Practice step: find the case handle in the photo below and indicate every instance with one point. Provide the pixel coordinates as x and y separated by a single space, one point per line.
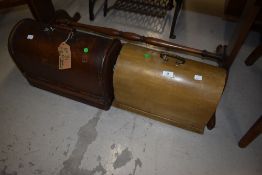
180 60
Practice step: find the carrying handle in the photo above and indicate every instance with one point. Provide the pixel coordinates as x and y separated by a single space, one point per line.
180 60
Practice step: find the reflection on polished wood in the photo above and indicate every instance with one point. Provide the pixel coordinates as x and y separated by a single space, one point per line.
139 86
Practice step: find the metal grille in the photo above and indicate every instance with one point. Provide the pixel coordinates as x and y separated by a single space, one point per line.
132 19
156 8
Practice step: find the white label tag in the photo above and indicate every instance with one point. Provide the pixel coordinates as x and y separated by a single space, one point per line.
198 77
30 37
168 74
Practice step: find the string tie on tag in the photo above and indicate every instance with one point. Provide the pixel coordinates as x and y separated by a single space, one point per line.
70 36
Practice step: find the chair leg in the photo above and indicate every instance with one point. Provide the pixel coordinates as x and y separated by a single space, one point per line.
248 17
251 134
76 17
91 10
212 122
62 14
8 3
177 10
253 57
42 10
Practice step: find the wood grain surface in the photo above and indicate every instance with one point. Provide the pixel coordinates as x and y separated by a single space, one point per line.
34 48
139 86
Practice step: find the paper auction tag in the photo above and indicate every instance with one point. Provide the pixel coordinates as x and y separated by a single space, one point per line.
64 56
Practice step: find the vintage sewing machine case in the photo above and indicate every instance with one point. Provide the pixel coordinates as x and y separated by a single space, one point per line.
179 91
34 48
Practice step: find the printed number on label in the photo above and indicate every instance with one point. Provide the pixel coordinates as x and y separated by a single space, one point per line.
168 74
30 37
198 77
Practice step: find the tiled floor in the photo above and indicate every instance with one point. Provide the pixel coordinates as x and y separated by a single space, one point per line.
43 133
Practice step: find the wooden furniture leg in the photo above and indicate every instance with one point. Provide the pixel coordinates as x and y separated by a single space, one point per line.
248 17
212 122
253 57
62 14
11 3
251 134
43 10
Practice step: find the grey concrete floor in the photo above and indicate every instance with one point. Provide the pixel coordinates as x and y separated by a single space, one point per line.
43 133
